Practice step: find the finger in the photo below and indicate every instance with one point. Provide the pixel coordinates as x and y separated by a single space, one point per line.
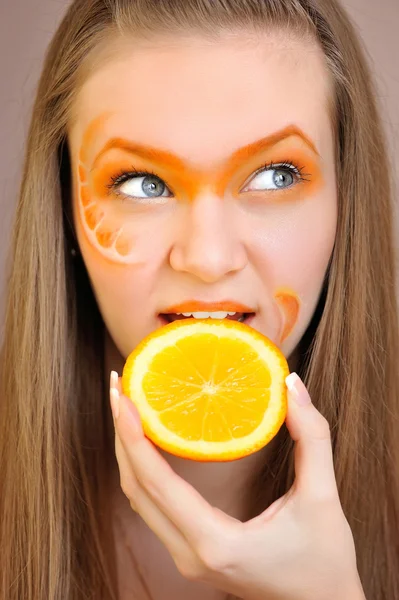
178 500
314 467
115 381
163 528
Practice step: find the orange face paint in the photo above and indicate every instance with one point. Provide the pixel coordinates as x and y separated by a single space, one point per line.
289 303
89 139
85 196
185 181
102 232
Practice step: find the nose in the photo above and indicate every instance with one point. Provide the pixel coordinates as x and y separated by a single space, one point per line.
207 242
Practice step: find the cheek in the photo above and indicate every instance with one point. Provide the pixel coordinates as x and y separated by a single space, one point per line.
108 226
296 246
123 291
302 255
293 259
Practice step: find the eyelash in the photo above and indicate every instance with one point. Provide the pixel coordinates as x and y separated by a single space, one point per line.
288 165
123 176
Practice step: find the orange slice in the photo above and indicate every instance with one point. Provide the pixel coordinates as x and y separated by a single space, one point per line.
208 390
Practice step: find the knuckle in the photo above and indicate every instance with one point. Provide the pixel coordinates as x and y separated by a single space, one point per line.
323 430
190 569
315 501
156 487
146 481
215 556
125 489
128 486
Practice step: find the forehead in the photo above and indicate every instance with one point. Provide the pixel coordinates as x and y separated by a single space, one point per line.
202 100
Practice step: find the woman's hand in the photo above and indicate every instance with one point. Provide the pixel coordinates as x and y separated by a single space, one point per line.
300 548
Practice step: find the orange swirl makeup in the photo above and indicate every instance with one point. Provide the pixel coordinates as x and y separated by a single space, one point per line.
102 230
107 216
289 304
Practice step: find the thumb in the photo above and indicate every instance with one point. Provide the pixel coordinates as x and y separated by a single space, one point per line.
314 467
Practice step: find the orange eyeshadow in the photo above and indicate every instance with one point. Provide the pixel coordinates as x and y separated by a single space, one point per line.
308 167
189 182
102 177
186 181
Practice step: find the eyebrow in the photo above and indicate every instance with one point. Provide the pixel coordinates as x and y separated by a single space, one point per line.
168 159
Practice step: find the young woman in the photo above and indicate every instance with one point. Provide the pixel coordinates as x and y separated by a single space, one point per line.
204 153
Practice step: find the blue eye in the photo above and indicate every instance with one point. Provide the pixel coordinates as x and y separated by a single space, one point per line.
149 186
275 177
145 185
140 185
272 179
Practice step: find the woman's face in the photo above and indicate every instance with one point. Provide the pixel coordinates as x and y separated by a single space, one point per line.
204 172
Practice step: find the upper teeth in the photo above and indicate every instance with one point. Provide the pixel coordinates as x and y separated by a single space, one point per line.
207 315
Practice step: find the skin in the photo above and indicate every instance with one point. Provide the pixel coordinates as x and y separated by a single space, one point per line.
198 115
113 233
300 548
209 231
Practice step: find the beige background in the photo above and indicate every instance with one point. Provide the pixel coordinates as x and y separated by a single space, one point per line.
26 27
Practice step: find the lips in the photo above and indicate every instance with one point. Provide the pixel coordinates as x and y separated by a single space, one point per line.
207 306
238 316
234 311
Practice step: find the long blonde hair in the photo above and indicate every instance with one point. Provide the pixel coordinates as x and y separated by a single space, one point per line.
55 537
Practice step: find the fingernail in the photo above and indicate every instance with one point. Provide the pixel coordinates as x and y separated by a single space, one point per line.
113 380
291 381
114 396
298 392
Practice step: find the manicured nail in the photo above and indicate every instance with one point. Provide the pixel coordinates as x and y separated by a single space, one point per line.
114 378
298 392
291 381
114 396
